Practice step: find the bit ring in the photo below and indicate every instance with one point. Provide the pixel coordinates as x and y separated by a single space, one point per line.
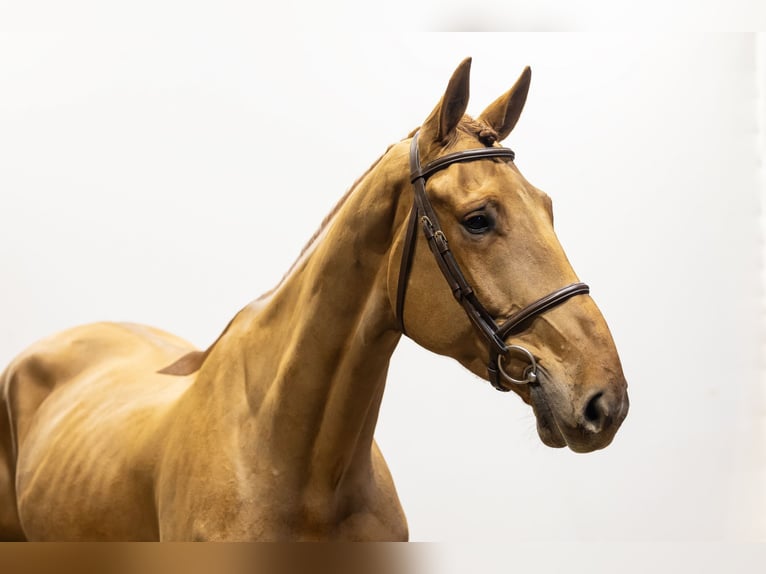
530 373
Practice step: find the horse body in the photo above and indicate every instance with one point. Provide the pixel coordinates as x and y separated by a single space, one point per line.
268 435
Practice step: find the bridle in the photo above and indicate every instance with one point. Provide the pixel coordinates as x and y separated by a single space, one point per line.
494 334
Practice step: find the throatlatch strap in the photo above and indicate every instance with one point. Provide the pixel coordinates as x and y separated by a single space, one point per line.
406 264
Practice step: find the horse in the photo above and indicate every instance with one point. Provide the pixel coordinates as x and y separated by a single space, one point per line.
120 431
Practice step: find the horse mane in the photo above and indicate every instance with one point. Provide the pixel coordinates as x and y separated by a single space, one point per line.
322 226
193 361
473 127
479 129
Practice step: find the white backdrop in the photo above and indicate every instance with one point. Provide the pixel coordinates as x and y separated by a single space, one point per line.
167 166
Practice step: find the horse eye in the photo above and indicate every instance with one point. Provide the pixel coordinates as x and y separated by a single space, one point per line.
478 224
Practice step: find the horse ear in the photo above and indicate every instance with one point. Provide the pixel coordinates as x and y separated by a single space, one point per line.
441 124
504 112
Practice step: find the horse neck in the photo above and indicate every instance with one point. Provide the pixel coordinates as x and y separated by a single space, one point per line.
313 357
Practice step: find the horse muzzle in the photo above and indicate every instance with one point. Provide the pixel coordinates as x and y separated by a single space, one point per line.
585 424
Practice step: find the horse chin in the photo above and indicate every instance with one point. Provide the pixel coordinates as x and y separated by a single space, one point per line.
547 428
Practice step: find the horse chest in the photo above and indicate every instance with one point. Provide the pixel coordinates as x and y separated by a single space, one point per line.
231 496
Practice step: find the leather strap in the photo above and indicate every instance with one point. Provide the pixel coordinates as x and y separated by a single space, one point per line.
516 322
418 172
404 267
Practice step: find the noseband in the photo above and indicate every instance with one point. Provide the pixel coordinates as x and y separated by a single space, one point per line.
494 334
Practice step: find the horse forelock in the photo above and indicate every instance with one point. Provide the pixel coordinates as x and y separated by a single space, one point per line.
476 128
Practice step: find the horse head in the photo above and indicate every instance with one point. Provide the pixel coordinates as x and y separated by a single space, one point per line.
495 253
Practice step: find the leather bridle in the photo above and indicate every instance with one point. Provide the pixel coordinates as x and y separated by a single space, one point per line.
494 334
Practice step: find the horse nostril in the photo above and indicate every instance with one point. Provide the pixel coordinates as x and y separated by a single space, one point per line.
596 412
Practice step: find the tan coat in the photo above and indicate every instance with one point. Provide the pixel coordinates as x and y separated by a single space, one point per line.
268 435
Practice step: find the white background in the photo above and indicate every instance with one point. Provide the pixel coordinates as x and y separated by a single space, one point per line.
165 164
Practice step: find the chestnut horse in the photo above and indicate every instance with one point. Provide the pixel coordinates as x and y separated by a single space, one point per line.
124 432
